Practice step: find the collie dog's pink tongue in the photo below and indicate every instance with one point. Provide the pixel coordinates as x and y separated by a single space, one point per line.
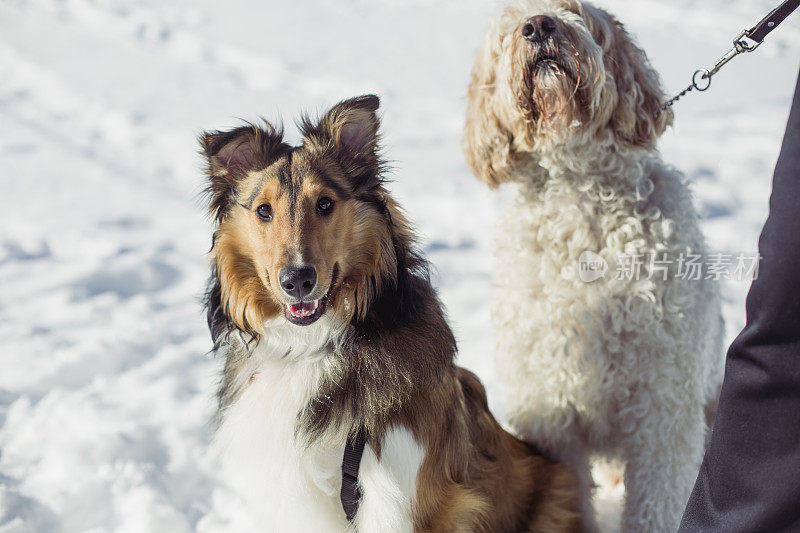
303 309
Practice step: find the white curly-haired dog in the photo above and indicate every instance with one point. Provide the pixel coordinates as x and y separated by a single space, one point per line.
563 105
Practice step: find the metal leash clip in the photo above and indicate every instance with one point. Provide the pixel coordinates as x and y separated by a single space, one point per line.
740 46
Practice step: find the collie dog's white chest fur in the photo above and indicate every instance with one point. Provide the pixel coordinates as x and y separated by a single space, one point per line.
292 486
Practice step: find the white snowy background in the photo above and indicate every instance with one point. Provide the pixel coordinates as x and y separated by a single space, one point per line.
105 381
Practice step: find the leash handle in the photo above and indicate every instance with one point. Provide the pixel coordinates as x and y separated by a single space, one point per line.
772 20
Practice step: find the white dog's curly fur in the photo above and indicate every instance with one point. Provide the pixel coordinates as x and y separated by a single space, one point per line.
617 367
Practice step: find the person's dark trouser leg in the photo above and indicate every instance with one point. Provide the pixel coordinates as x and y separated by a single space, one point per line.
750 476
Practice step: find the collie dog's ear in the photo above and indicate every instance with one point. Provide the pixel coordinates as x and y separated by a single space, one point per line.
351 129
230 155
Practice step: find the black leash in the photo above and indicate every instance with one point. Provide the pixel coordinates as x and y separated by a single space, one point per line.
772 20
351 494
747 41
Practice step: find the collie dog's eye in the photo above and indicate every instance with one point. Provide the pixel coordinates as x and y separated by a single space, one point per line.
264 212
324 206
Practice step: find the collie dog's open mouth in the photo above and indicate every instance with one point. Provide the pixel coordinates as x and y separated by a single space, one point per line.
305 313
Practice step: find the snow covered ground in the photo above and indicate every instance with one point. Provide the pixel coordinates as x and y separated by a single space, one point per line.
105 382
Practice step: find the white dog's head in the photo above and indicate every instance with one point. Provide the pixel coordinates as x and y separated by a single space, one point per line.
558 73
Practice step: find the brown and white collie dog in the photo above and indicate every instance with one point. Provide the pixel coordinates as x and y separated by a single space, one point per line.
330 327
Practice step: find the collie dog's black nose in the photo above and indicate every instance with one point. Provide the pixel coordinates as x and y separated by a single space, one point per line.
538 28
298 281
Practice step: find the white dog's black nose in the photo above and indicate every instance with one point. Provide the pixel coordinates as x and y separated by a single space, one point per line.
538 28
298 281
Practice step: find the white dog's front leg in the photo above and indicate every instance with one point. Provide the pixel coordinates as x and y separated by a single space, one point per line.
661 467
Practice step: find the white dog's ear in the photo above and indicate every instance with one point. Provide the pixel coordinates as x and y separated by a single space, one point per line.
487 144
635 120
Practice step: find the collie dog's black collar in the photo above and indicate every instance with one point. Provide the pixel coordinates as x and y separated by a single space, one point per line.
351 461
